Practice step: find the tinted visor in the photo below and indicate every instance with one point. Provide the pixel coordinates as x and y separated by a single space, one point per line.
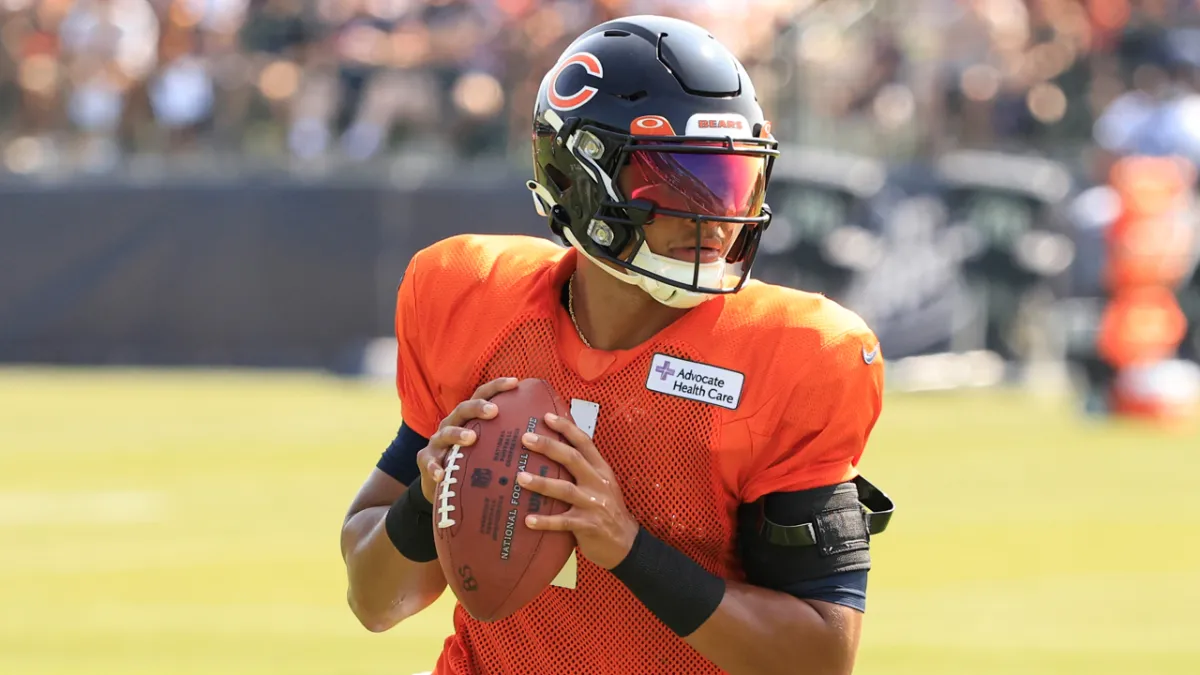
707 184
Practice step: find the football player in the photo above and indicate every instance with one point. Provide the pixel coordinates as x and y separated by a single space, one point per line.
718 422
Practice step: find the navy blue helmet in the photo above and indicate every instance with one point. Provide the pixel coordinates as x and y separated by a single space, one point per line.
644 117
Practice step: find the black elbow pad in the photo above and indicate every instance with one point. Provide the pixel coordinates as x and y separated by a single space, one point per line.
791 537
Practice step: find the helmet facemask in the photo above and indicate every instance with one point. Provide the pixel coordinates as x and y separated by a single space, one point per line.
618 183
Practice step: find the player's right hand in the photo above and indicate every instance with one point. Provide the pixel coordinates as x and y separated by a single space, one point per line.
451 432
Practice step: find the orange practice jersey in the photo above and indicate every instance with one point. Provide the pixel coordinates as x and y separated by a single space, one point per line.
766 390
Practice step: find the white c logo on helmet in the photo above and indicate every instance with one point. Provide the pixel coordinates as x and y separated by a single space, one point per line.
585 94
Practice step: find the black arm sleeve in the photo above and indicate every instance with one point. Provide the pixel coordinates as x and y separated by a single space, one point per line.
848 589
400 459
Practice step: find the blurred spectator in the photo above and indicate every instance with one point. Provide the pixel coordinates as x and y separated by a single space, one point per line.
86 83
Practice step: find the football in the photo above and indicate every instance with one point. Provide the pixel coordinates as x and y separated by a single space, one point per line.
493 562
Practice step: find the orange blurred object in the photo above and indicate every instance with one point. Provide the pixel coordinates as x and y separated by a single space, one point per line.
1149 245
1141 326
1152 186
1151 250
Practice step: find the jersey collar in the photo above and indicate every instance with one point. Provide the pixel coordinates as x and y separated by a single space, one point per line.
594 364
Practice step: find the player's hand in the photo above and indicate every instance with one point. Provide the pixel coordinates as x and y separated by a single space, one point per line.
602 525
451 432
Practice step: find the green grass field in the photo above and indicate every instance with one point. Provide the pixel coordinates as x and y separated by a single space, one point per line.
182 522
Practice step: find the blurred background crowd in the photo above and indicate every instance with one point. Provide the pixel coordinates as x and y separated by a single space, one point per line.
84 83
948 170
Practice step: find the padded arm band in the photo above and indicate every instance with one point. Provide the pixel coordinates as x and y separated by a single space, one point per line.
788 538
409 524
789 532
675 588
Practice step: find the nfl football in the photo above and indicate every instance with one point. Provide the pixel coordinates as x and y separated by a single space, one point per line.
493 562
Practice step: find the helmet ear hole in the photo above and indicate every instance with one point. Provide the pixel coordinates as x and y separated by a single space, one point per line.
560 179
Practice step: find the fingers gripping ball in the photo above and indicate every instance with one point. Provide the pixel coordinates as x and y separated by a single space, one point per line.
493 562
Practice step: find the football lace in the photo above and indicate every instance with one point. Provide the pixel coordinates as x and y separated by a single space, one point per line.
447 491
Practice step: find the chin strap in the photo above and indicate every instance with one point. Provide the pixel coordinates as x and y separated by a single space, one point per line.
663 293
627 277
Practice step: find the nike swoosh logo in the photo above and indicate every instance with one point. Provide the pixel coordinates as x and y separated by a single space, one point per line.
870 356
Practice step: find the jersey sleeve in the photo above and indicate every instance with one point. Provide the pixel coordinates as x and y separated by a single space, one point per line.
826 421
418 404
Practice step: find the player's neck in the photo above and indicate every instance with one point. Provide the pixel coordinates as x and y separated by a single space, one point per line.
612 314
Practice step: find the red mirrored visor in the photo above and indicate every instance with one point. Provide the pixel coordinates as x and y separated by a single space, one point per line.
706 184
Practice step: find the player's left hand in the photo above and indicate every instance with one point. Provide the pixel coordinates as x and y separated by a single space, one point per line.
602 525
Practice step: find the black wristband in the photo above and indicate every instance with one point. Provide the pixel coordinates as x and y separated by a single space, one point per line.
675 588
409 524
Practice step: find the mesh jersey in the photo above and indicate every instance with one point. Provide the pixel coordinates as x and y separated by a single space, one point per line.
475 308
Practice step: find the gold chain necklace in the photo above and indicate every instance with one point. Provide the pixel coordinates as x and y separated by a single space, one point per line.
571 310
